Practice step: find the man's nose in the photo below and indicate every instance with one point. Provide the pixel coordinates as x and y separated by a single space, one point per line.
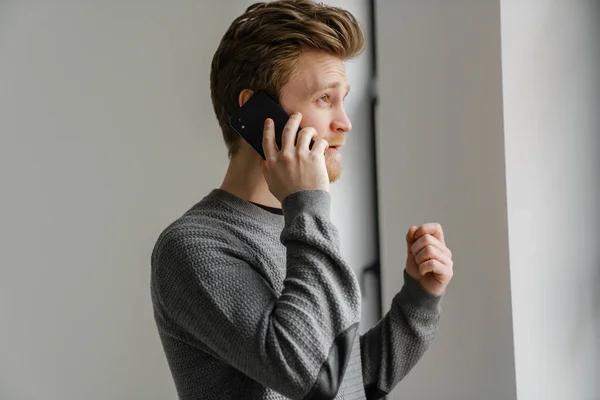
342 123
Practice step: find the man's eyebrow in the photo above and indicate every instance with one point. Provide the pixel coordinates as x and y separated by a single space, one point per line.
331 85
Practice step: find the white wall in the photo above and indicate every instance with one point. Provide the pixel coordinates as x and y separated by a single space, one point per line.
489 123
551 70
107 134
441 158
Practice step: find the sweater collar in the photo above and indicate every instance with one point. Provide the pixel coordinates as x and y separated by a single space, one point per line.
251 210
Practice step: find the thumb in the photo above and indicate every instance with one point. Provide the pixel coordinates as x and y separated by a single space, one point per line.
410 237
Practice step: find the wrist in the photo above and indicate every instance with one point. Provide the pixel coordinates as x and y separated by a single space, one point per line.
415 296
314 201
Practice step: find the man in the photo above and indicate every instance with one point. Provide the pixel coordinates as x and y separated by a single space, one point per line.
251 296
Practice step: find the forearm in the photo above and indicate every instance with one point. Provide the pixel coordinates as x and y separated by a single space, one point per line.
321 299
393 347
316 271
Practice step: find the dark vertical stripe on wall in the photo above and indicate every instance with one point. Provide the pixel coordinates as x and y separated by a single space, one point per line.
376 267
374 98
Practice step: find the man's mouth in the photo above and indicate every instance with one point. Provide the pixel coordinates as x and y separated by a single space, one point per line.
335 143
333 149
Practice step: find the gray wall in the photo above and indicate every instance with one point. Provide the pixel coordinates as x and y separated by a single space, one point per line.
441 158
551 70
489 123
107 134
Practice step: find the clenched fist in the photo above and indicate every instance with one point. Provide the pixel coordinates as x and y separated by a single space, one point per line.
428 260
295 166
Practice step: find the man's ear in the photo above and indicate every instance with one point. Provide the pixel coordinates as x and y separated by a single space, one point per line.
244 96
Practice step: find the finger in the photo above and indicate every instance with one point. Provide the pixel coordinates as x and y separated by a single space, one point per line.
290 130
304 138
434 229
410 236
320 146
268 142
429 240
432 253
433 266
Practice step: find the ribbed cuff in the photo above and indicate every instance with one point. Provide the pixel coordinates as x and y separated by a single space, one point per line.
413 295
315 202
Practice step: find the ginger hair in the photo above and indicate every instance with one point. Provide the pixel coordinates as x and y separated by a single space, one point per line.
260 49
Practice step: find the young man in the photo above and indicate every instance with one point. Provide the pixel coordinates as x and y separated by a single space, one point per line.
251 296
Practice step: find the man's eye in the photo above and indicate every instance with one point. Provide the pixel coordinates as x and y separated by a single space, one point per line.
324 98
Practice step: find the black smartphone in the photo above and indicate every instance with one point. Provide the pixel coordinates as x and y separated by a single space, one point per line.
249 120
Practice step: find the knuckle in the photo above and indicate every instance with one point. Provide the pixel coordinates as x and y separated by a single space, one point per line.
318 148
315 156
287 156
302 152
305 135
427 265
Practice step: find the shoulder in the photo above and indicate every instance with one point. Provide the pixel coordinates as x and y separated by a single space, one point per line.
192 252
204 221
193 235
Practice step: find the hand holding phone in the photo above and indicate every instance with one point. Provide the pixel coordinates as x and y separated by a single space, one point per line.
248 121
294 166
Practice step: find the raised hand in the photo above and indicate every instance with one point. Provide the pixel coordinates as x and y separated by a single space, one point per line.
428 260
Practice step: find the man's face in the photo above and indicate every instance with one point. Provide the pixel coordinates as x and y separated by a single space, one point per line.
317 90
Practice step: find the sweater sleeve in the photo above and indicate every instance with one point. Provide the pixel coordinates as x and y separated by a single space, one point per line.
393 347
298 343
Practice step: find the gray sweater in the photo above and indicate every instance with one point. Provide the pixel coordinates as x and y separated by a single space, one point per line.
254 305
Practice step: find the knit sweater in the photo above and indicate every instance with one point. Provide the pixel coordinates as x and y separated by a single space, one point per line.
254 305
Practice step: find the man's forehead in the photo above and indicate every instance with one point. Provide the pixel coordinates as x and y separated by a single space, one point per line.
316 72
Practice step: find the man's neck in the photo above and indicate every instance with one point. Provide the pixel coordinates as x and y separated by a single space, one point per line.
245 179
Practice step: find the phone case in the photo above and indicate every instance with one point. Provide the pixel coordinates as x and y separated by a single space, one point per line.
249 120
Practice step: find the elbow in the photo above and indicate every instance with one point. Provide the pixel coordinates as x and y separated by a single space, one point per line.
331 374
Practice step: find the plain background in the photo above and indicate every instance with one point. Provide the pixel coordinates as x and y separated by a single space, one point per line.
487 122
107 135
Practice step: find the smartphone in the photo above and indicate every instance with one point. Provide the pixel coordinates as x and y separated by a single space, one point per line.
249 120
